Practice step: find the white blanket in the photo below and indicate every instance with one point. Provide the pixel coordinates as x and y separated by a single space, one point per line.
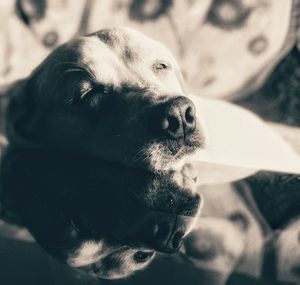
238 144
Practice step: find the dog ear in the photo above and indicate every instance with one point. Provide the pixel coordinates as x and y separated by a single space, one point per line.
22 114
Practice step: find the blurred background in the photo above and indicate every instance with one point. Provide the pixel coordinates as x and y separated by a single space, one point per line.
221 45
227 49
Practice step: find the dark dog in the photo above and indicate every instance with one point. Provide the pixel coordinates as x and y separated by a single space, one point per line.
97 216
115 94
118 96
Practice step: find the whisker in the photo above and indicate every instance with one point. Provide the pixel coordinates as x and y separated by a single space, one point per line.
122 135
132 119
138 157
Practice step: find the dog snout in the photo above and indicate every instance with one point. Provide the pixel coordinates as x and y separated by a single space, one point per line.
190 206
165 238
185 204
176 118
165 232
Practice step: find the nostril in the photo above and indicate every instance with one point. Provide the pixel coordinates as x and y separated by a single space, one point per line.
173 119
173 124
190 115
161 231
176 241
197 199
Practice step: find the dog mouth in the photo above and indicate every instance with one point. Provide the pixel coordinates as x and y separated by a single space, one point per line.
185 147
161 155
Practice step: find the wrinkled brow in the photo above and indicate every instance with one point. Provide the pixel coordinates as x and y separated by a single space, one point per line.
74 67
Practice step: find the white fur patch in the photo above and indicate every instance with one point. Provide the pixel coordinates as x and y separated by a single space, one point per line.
87 253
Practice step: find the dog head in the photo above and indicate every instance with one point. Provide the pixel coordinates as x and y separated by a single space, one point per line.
101 217
115 94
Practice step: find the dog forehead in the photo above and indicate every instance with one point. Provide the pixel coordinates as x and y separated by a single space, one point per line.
119 57
131 44
145 45
122 55
102 61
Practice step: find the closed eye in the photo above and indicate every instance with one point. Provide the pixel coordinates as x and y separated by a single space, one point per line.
78 68
142 256
93 95
161 65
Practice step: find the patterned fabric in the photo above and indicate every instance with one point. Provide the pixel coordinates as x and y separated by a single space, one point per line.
253 35
227 48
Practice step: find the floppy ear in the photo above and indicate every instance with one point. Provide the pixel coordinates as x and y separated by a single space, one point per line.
22 114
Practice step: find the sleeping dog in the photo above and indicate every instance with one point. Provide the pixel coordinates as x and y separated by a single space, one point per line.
114 94
104 218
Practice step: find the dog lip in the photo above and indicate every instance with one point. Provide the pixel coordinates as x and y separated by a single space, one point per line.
170 152
187 145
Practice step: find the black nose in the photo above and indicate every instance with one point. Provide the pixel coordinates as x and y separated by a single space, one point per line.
176 118
165 232
181 203
165 238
